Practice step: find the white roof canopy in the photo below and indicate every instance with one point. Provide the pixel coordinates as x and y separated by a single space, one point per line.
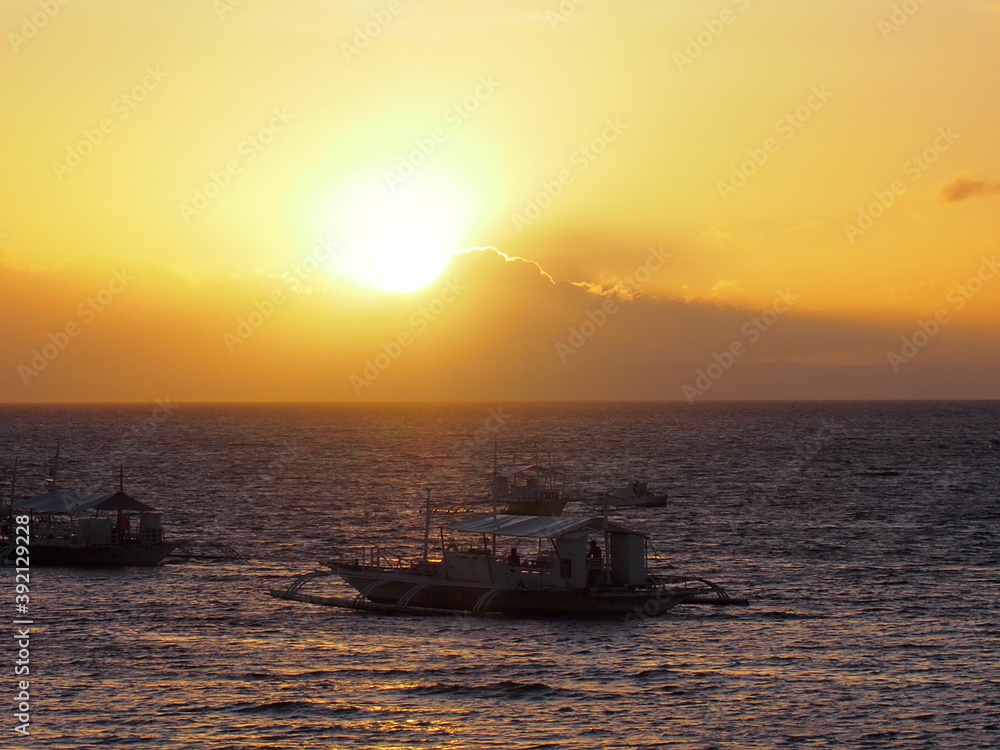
538 527
58 501
67 501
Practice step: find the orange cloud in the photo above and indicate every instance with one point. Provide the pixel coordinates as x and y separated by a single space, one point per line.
492 328
966 185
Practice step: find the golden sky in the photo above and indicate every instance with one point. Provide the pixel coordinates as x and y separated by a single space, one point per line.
663 199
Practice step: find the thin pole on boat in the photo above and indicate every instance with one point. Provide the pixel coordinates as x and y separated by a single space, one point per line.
121 488
493 482
493 494
427 528
55 465
13 483
606 560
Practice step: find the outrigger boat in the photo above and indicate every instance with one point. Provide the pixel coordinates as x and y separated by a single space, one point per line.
636 495
76 529
528 490
568 575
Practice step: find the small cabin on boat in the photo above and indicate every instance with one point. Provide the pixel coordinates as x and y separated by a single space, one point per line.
564 557
92 530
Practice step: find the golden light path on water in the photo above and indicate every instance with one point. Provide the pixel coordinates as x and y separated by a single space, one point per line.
868 549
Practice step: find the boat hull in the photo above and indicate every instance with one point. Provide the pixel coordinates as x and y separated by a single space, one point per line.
536 506
432 593
633 501
78 556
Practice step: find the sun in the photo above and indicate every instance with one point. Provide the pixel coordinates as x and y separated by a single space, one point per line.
409 250
395 239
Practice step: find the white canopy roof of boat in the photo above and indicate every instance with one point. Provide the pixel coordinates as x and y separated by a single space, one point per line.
538 527
57 501
67 501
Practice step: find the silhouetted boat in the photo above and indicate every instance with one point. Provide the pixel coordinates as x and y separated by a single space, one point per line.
570 573
635 495
528 490
75 529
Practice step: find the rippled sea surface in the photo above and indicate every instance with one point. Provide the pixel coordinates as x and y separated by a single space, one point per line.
866 536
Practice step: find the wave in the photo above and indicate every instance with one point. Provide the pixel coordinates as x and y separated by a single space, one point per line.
278 708
499 689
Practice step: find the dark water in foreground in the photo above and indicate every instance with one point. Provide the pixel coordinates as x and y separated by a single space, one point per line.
865 534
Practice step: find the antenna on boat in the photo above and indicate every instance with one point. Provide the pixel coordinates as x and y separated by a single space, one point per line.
493 479
607 541
13 483
51 481
427 527
121 477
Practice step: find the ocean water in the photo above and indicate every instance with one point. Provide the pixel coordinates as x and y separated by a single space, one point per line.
865 534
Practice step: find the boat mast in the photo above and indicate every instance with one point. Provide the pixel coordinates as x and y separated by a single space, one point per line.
493 494
427 527
606 559
121 488
51 481
13 483
493 482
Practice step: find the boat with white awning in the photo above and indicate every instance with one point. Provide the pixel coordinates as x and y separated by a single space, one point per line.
514 565
79 529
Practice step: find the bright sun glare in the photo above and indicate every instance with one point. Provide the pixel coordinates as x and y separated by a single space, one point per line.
396 240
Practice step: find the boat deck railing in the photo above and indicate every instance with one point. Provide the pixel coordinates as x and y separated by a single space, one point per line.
375 557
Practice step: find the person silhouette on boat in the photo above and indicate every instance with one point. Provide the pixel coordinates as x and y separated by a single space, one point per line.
124 525
594 556
514 559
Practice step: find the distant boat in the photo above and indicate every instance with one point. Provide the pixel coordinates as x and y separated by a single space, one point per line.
581 567
528 490
635 495
75 529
